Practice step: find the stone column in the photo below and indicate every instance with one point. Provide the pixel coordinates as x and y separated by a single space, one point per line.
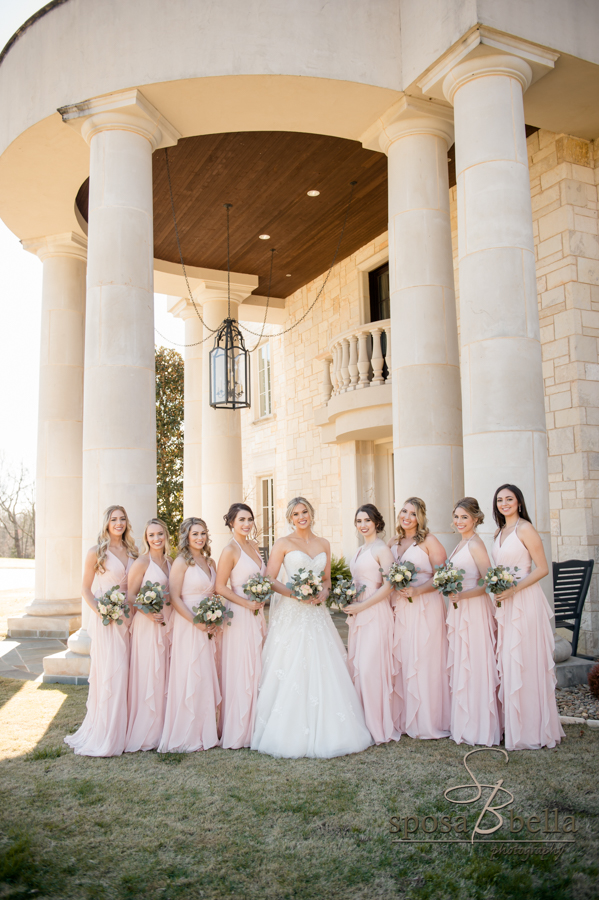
192 446
222 475
502 386
56 610
427 426
119 413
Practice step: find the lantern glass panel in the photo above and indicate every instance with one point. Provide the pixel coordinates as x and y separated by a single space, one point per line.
219 375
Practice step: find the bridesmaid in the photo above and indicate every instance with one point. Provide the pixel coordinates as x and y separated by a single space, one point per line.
421 682
241 647
193 695
524 634
148 672
473 678
104 729
370 638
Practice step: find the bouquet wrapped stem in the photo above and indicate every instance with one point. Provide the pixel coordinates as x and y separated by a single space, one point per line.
212 611
259 588
151 598
112 606
499 579
449 580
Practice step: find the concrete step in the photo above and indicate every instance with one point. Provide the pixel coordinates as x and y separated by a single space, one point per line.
573 671
66 668
26 627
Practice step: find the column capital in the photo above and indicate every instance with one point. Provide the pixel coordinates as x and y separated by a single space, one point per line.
68 244
181 307
482 66
122 111
409 116
217 288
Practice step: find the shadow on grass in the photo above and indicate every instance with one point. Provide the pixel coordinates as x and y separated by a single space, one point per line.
8 688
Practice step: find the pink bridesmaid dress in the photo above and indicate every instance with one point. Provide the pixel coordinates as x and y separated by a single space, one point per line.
193 695
473 677
525 657
370 650
148 672
241 660
421 704
104 729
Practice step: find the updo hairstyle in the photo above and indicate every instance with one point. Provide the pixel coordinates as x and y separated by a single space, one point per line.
295 502
374 516
470 505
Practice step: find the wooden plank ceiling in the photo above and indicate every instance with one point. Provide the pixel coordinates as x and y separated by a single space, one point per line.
266 176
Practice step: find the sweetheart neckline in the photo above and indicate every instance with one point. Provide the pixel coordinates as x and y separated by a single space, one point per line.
303 552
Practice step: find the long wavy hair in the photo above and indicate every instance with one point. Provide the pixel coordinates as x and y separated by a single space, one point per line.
295 502
104 539
422 529
183 547
145 547
522 511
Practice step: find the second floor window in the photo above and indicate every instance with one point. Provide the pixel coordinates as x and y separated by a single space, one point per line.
380 301
264 380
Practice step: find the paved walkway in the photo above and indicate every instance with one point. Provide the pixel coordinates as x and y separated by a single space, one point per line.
23 659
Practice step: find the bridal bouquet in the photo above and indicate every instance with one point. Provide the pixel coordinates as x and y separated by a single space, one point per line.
498 580
212 611
260 589
343 593
112 606
448 580
151 598
305 585
400 575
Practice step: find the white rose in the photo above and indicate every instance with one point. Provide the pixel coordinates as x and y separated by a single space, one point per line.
494 579
509 578
218 614
114 597
305 590
151 594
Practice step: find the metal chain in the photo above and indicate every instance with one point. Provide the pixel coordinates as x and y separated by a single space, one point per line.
259 341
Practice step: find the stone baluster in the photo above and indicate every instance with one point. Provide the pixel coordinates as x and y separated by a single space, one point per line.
377 357
353 362
363 360
327 385
334 370
344 365
388 355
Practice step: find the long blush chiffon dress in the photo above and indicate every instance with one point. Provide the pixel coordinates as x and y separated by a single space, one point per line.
148 672
473 677
421 683
370 650
104 729
241 660
525 657
193 695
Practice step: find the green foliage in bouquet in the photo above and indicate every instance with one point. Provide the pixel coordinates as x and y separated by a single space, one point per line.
340 570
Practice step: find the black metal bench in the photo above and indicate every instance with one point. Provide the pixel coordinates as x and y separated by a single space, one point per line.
571 580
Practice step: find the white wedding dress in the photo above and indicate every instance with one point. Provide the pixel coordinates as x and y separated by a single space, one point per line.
307 704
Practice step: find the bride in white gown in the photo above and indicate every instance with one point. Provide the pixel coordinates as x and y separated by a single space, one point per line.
307 704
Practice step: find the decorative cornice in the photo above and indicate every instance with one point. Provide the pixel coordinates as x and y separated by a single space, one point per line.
122 111
409 115
68 244
480 66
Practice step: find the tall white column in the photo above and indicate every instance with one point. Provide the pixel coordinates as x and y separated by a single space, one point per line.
119 412
502 386
427 416
192 442
56 609
222 473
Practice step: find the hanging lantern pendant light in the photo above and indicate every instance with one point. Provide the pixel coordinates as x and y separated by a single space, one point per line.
229 362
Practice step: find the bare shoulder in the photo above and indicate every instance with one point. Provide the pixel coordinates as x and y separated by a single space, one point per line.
92 553
179 565
392 542
432 544
526 528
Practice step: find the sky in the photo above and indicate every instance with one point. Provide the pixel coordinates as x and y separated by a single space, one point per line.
20 313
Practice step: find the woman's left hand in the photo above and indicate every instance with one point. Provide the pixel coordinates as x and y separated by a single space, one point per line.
505 595
316 601
158 617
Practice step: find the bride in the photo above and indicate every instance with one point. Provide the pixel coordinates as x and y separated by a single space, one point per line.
307 704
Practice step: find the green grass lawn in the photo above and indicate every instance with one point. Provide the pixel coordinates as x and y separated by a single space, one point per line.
237 824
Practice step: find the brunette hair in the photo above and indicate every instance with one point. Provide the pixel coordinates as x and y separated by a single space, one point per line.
470 505
295 502
373 514
422 529
235 508
522 511
104 539
183 548
145 547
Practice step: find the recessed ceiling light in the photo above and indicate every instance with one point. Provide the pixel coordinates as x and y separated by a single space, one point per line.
287 276
264 237
313 193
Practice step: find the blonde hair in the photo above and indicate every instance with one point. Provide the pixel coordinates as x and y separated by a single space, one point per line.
183 548
470 505
145 547
104 539
295 502
421 521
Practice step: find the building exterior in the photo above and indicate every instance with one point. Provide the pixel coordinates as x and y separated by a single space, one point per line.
470 361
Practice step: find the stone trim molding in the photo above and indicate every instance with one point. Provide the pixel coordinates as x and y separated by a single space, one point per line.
68 244
481 66
410 115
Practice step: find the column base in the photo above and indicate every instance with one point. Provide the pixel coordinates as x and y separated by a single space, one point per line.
25 626
66 667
